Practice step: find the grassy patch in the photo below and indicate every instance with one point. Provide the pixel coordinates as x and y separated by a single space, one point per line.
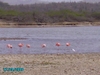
47 63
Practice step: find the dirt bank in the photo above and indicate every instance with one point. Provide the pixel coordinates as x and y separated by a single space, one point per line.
4 24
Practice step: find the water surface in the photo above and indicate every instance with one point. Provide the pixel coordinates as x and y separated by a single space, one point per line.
82 39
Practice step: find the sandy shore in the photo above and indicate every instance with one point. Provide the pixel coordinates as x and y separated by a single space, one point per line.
7 24
52 64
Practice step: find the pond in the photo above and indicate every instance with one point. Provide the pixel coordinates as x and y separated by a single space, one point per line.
82 40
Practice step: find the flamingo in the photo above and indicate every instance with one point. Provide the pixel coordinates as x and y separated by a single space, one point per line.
9 46
28 46
57 44
67 44
43 45
20 45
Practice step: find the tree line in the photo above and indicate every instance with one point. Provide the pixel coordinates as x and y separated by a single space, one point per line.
51 12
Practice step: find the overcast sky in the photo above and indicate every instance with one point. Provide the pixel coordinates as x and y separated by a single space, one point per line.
59 0
12 2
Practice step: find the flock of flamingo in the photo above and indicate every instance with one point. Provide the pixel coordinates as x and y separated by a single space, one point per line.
43 45
20 45
28 45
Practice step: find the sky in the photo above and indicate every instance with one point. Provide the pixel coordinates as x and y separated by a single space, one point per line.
13 2
60 0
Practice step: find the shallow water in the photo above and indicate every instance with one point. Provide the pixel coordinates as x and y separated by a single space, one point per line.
82 39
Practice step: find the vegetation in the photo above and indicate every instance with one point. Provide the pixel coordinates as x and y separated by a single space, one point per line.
50 13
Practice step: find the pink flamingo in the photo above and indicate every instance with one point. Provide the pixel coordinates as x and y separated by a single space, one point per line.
9 46
28 46
57 44
67 44
43 45
20 45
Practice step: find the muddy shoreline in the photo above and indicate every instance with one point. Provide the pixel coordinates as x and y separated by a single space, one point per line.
32 25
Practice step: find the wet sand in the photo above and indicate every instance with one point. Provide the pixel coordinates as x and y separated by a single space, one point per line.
52 64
